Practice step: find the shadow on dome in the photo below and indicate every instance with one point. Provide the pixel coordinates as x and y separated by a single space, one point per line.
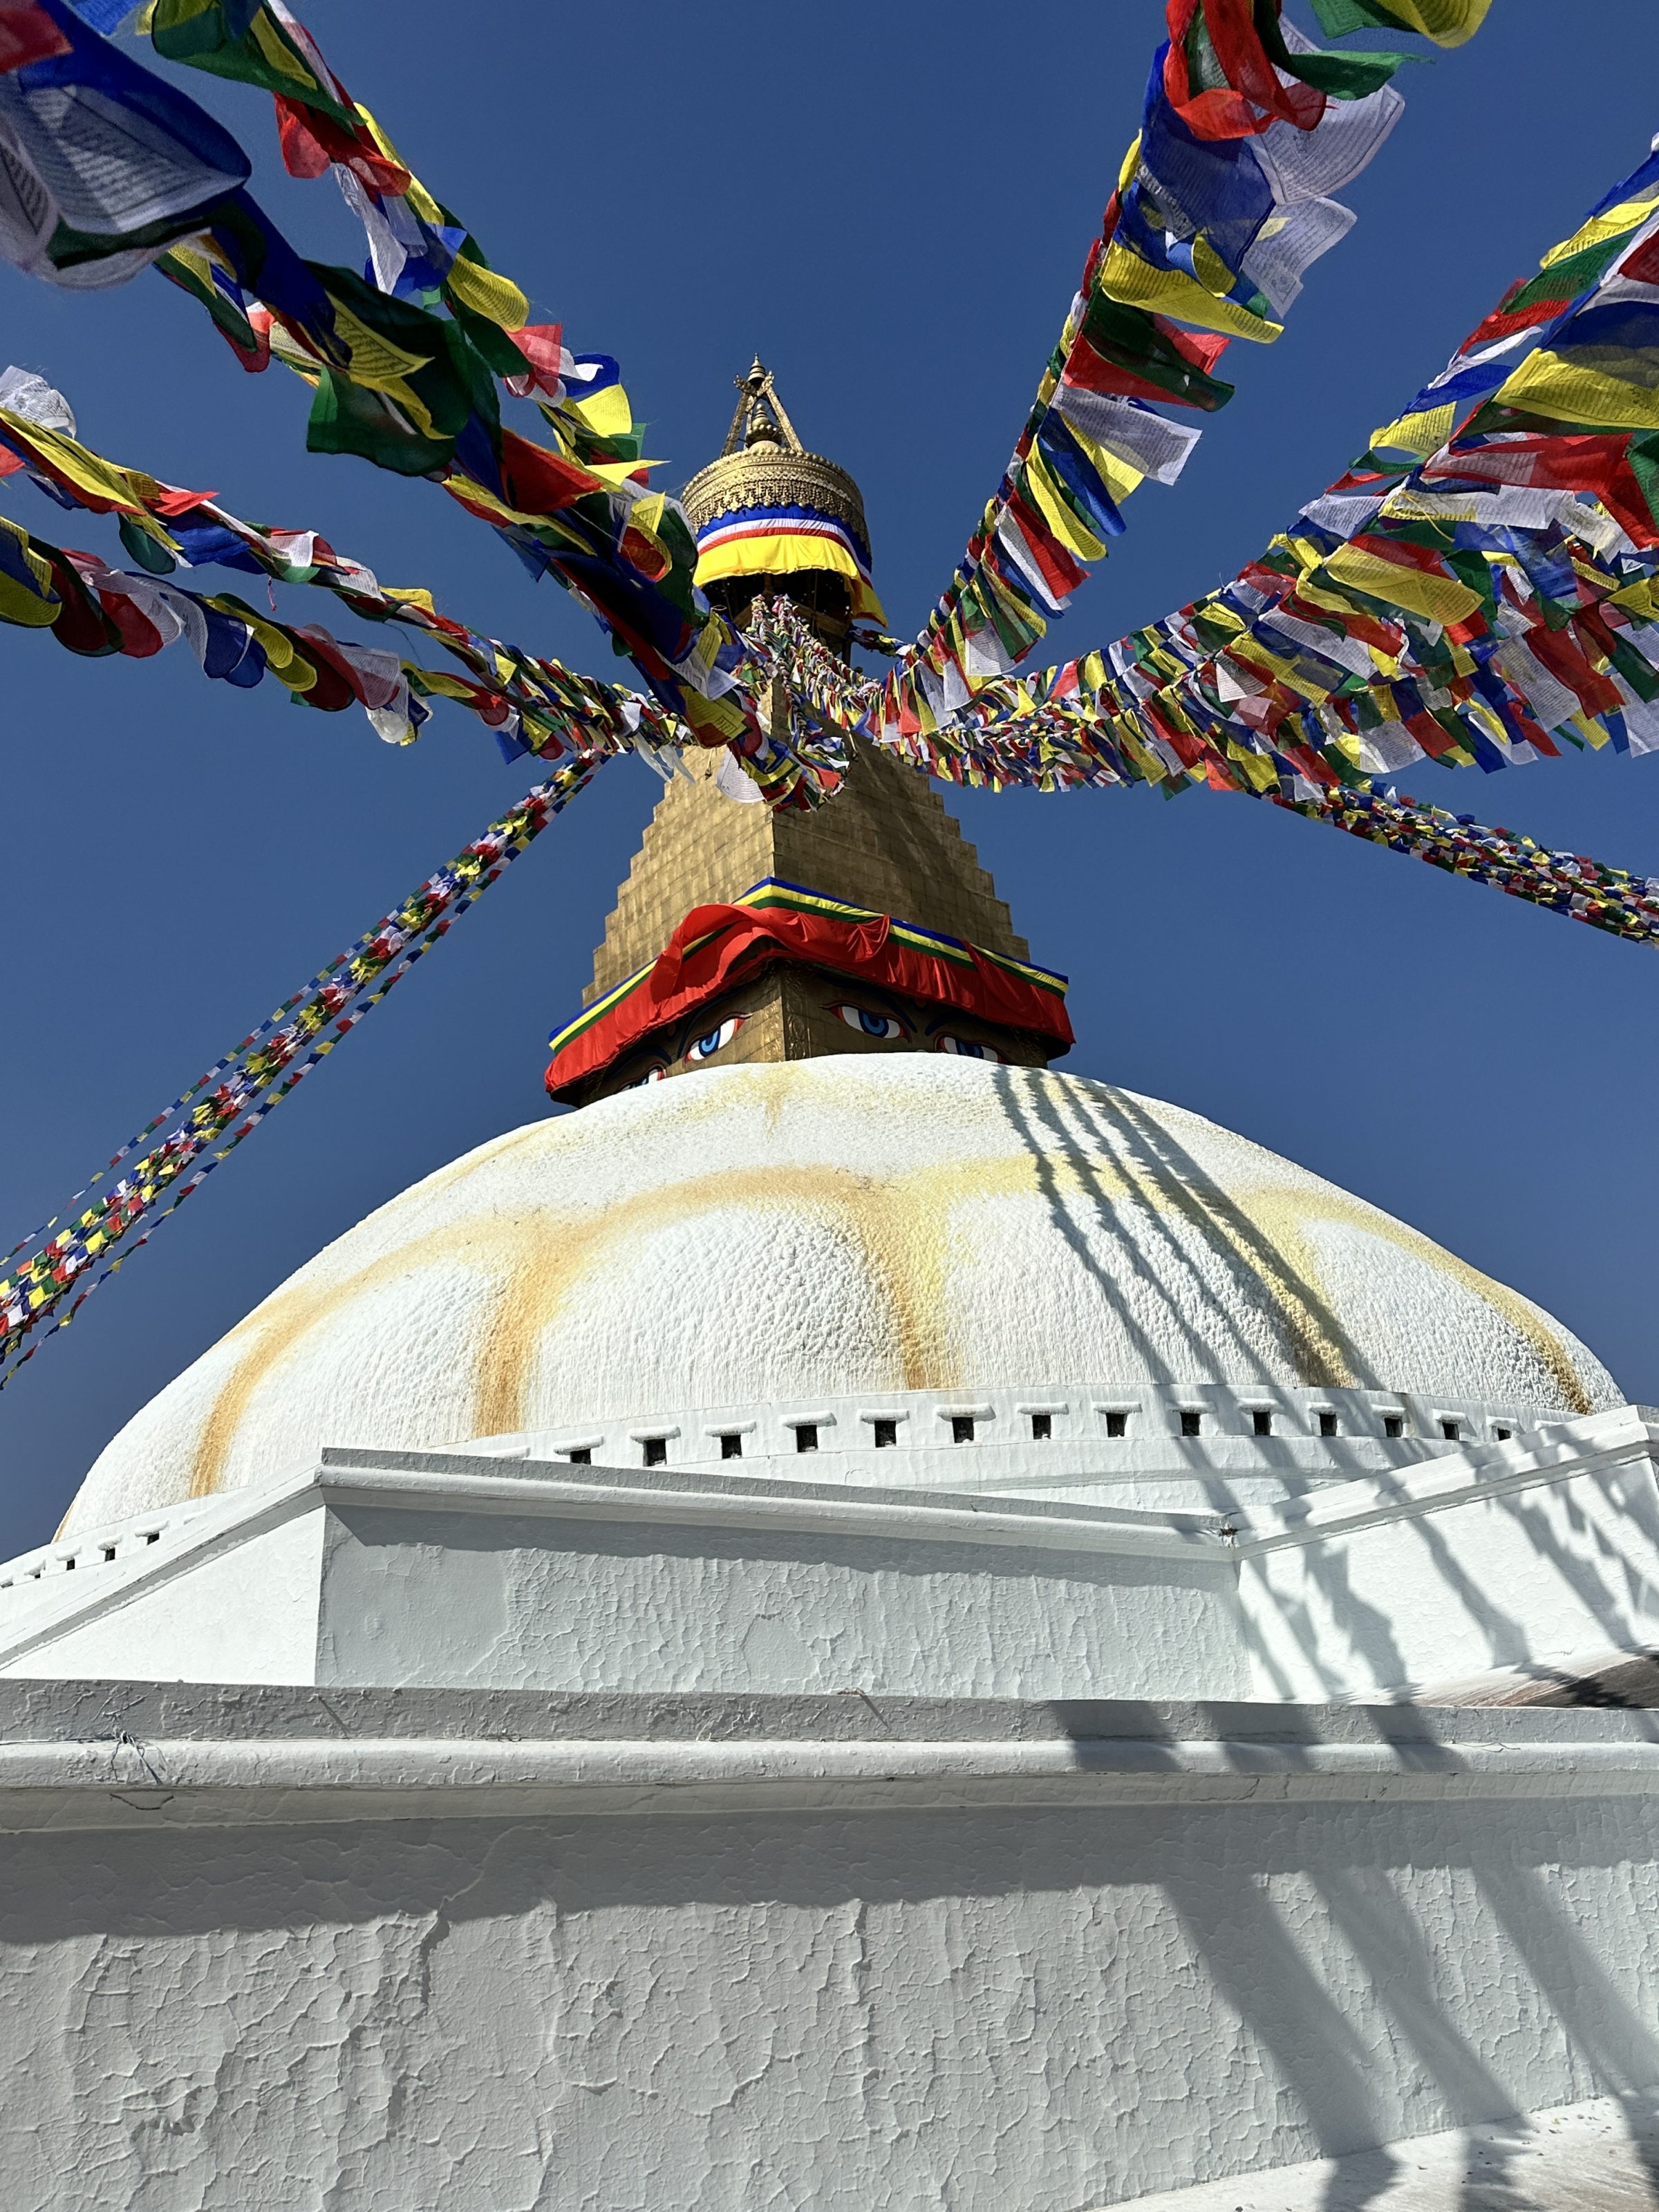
1324 1350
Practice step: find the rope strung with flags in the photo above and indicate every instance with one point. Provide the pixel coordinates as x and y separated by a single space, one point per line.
408 363
1223 203
1564 882
530 702
1478 587
61 1265
1585 890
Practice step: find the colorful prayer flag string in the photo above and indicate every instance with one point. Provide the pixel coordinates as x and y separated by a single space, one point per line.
1223 203
1567 883
530 702
583 511
1570 884
63 1267
1483 605
403 368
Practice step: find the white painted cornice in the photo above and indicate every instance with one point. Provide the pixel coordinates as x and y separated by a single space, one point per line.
238 1759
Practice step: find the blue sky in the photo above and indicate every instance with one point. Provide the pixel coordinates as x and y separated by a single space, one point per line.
891 204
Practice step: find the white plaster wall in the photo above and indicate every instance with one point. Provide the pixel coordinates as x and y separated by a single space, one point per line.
445 1599
979 2010
773 1233
244 1613
1535 1574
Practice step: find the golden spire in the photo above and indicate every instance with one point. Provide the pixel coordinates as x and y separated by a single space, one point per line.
764 470
760 418
885 843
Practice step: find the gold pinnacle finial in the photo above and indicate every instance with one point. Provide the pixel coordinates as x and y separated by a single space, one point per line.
760 417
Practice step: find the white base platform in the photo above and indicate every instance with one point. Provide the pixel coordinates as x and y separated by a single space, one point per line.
489 1567
267 1950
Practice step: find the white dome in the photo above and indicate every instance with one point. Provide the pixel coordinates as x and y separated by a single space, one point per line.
854 1223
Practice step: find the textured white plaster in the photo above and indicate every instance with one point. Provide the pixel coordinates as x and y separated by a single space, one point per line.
437 1315
158 1445
750 1296
1044 2009
795 1232
480 1570
1151 1466
466 1567
179 1781
1406 1336
358 1950
431 1598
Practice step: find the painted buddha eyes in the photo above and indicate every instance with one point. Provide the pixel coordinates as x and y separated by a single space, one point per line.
705 1048
651 1075
869 1023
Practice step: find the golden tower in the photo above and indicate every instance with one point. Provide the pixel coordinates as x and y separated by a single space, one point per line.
772 518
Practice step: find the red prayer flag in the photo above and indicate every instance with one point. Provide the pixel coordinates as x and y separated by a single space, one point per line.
27 34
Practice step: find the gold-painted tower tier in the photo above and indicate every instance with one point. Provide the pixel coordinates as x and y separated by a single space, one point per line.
883 842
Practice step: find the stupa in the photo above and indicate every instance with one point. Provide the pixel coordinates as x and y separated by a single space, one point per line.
859 1619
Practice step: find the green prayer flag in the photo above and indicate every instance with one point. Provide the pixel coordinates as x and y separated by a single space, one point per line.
349 418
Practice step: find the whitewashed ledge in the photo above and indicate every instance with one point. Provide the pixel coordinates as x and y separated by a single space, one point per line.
1601 2156
91 1755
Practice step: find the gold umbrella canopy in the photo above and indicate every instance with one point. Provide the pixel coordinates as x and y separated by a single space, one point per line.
772 519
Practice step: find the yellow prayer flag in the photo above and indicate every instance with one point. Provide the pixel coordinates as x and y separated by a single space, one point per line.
607 412
1611 224
1639 597
372 359
1561 387
1257 770
1587 728
1071 533
1119 479
277 54
278 646
475 495
497 298
616 472
441 682
1441 598
1124 276
1213 611
30 610
1421 433
1448 22
88 471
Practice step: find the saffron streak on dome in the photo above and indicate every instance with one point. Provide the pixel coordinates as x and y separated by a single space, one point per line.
780 1236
